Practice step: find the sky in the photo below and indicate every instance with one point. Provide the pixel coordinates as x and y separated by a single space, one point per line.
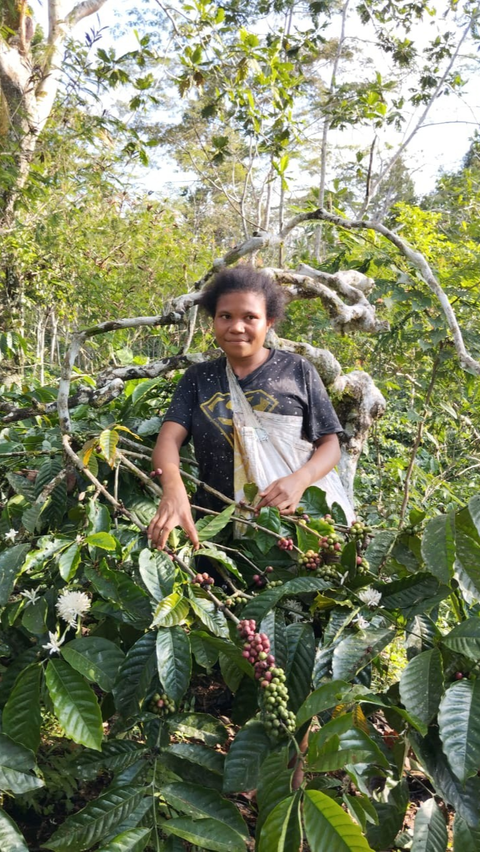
438 146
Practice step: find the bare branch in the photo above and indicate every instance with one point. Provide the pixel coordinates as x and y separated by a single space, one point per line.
358 314
417 259
388 167
155 368
98 485
83 10
169 16
96 397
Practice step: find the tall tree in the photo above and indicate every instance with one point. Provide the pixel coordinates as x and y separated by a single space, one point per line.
29 79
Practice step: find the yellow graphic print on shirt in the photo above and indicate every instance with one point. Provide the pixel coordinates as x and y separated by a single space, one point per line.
218 409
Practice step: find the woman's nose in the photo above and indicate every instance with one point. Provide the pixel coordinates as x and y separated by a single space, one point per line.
238 326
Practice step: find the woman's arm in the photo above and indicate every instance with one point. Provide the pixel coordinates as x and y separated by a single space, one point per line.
285 493
174 509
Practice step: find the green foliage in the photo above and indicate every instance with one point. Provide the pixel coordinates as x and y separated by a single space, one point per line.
21 717
10 837
75 704
116 726
145 679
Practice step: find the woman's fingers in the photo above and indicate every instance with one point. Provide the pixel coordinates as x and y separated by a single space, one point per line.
275 495
192 532
158 526
284 494
165 521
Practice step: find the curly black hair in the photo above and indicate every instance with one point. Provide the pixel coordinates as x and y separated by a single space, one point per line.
246 279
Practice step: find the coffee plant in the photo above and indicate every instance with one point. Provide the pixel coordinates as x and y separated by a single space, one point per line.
150 704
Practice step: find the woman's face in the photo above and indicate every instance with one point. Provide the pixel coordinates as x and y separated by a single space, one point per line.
240 324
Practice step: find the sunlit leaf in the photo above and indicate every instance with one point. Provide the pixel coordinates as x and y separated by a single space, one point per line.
353 653
98 659
11 561
75 705
174 661
108 440
329 828
11 838
282 829
97 820
459 726
171 610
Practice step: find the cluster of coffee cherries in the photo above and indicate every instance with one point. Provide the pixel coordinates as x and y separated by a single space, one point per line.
161 704
203 580
310 560
363 565
279 720
261 580
330 544
314 562
328 572
285 543
358 530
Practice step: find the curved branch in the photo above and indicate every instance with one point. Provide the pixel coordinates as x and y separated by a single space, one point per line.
417 259
351 313
95 397
155 368
83 10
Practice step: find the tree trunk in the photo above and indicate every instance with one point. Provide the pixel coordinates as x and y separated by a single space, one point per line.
28 92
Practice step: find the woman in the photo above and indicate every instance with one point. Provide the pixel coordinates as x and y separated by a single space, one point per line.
243 304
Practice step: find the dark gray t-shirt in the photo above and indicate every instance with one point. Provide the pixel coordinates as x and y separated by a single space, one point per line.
284 384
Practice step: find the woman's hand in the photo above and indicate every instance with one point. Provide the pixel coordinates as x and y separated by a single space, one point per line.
285 493
174 511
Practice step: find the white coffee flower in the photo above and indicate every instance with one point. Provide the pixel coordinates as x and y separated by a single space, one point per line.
370 597
11 535
53 647
361 622
31 596
296 610
72 605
